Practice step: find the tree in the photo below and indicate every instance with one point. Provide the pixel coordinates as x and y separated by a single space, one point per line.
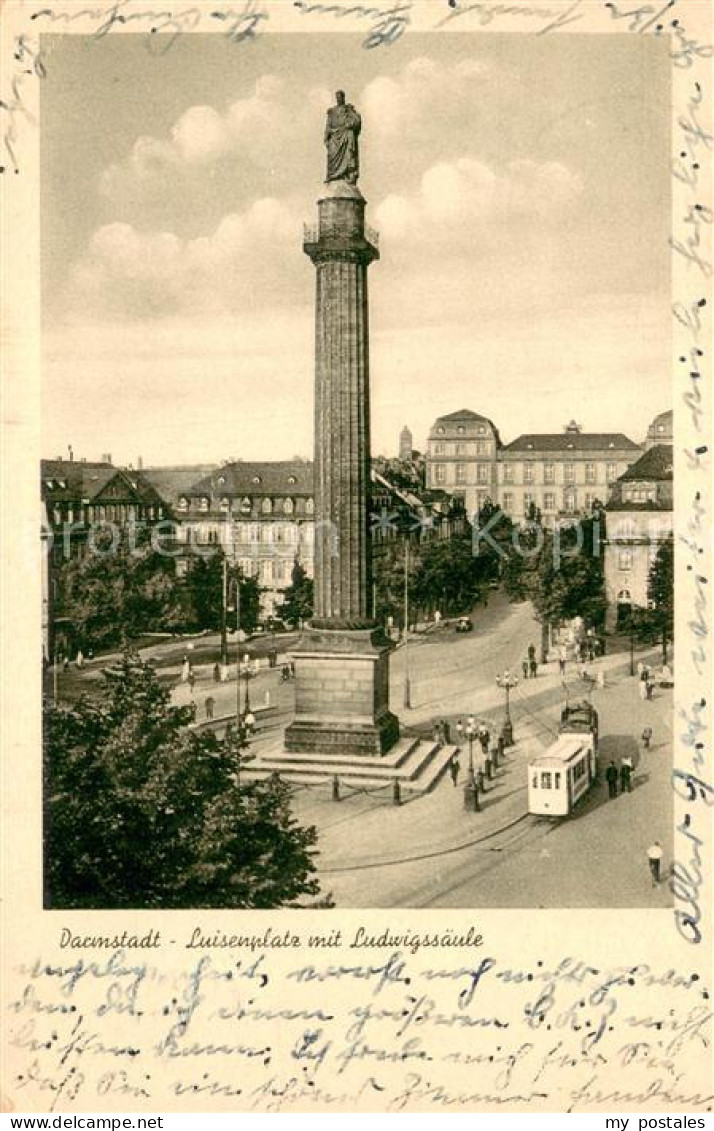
660 592
204 585
111 595
298 598
144 812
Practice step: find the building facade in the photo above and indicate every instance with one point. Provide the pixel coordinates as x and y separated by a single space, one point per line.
562 474
462 458
640 515
261 514
661 430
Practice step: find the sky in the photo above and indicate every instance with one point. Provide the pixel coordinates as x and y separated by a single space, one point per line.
520 186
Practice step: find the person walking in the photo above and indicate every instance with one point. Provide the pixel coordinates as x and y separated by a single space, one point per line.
611 776
525 665
626 776
647 737
649 686
454 768
654 859
643 690
562 658
249 722
533 666
446 731
216 673
436 733
484 737
192 680
210 704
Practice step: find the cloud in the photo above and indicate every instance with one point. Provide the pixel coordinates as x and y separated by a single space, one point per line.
126 272
262 130
460 200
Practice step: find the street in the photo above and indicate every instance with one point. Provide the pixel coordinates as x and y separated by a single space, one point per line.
430 852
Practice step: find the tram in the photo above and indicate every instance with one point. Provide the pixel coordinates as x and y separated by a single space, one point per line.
580 718
559 778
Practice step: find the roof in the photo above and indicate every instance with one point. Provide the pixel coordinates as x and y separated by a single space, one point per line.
465 415
565 747
654 465
172 482
572 441
283 477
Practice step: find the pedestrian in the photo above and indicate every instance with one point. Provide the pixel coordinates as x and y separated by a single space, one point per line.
643 690
216 672
533 665
484 738
436 733
531 653
454 768
80 658
562 658
640 670
210 703
185 670
249 722
611 777
601 679
626 776
524 665
192 679
649 687
446 730
292 669
654 859
646 737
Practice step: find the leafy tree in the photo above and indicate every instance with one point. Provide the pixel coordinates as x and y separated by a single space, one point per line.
114 594
660 592
144 812
298 598
204 585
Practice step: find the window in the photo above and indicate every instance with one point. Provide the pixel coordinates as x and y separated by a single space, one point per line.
460 472
439 449
267 506
205 503
508 502
545 780
527 472
461 449
310 506
624 559
440 430
292 479
483 473
557 781
439 473
245 506
535 781
549 473
266 570
221 480
570 499
528 501
549 501
569 472
611 472
483 448
288 506
508 473
183 504
460 429
590 473
225 504
255 479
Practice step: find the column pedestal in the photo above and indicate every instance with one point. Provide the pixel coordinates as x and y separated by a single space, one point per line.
342 694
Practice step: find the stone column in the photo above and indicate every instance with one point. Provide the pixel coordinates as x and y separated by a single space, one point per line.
342 677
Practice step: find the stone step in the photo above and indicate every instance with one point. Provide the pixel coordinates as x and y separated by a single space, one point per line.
403 749
418 774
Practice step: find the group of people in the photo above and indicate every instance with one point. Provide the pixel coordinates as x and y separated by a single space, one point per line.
623 776
530 663
646 681
480 733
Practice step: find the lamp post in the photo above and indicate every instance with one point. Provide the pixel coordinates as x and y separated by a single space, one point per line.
246 701
507 682
470 789
224 614
407 680
238 712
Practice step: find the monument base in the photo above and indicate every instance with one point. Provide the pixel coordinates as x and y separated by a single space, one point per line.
342 694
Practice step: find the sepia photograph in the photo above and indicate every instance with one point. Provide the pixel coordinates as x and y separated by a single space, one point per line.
357 597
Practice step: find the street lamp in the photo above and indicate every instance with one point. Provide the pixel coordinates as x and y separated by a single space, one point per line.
507 682
238 714
407 680
246 702
470 789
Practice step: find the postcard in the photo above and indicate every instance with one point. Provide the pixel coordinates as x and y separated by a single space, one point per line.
357 557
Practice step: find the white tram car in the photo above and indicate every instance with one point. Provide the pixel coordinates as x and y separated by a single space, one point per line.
560 777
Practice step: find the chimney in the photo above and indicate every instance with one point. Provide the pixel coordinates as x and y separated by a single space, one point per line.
107 457
71 452
139 462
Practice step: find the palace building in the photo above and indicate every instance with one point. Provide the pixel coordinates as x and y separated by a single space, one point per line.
461 458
